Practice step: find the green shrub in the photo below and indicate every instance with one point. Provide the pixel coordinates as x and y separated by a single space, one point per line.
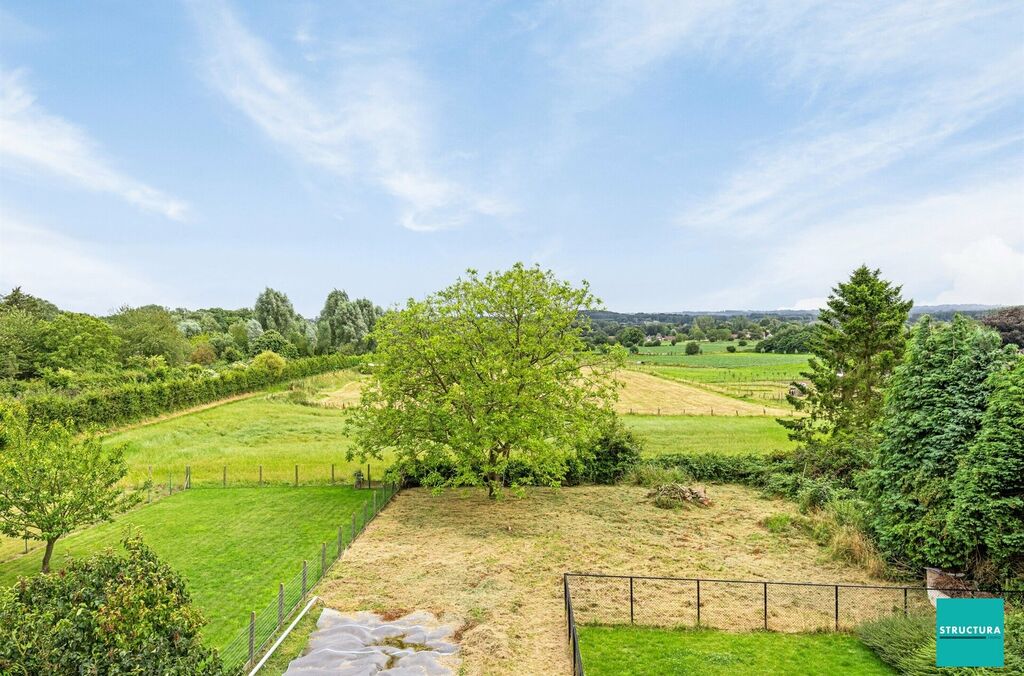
730 348
692 348
650 474
132 401
612 456
104 614
908 645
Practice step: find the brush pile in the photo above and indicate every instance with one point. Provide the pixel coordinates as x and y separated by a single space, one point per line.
674 496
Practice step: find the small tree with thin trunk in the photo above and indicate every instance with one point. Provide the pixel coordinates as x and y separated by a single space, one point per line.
490 371
52 482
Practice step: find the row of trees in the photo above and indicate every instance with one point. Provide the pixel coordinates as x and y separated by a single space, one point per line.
926 425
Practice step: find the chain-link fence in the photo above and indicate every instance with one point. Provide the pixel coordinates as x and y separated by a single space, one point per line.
742 605
246 648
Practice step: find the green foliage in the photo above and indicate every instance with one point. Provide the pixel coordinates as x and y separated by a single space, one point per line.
150 331
857 342
987 517
908 645
36 307
20 332
489 370
789 339
203 354
344 322
270 363
631 336
78 342
730 348
272 341
611 456
933 412
132 401
274 312
54 482
106 614
692 347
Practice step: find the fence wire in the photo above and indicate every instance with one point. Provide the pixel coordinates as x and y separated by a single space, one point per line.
741 605
245 649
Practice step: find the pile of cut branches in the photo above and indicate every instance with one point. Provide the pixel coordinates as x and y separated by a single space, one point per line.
674 496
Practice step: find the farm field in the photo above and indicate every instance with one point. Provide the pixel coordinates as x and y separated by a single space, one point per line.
644 393
497 568
274 430
728 435
638 651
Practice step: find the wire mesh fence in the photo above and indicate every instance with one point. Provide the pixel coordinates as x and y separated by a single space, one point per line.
742 605
245 649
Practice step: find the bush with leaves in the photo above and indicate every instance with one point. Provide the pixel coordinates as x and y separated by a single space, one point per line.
692 348
268 362
106 614
272 341
607 461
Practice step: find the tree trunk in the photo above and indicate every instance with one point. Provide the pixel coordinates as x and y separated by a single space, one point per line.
48 554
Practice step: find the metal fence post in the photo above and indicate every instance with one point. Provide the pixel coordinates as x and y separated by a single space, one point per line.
765 606
837 607
353 528
631 599
252 636
698 603
904 602
369 479
280 604
303 578
374 501
323 558
365 519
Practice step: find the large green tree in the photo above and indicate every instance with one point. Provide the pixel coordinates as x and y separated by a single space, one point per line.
37 307
857 342
933 412
150 331
20 333
53 481
344 322
490 370
275 312
987 519
77 342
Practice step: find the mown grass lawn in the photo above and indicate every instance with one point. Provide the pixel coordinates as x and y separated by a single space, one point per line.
266 430
728 435
232 545
639 651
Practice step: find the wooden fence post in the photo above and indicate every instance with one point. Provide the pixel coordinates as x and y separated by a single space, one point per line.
369 478
332 473
261 477
225 476
296 475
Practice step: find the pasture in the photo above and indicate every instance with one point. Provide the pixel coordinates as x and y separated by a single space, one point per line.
496 568
638 651
728 435
644 393
233 546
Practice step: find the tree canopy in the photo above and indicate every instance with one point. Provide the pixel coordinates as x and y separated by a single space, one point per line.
52 481
150 331
490 370
275 312
933 412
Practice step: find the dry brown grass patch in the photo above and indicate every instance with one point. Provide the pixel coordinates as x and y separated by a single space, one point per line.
644 393
496 568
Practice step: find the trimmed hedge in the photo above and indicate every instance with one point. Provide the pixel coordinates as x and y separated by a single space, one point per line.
131 402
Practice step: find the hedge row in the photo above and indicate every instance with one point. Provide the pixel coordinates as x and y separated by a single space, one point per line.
132 402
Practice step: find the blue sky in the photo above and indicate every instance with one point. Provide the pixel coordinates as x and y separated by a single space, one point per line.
697 155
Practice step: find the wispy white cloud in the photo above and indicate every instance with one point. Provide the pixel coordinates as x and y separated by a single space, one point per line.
368 122
72 272
32 139
962 245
